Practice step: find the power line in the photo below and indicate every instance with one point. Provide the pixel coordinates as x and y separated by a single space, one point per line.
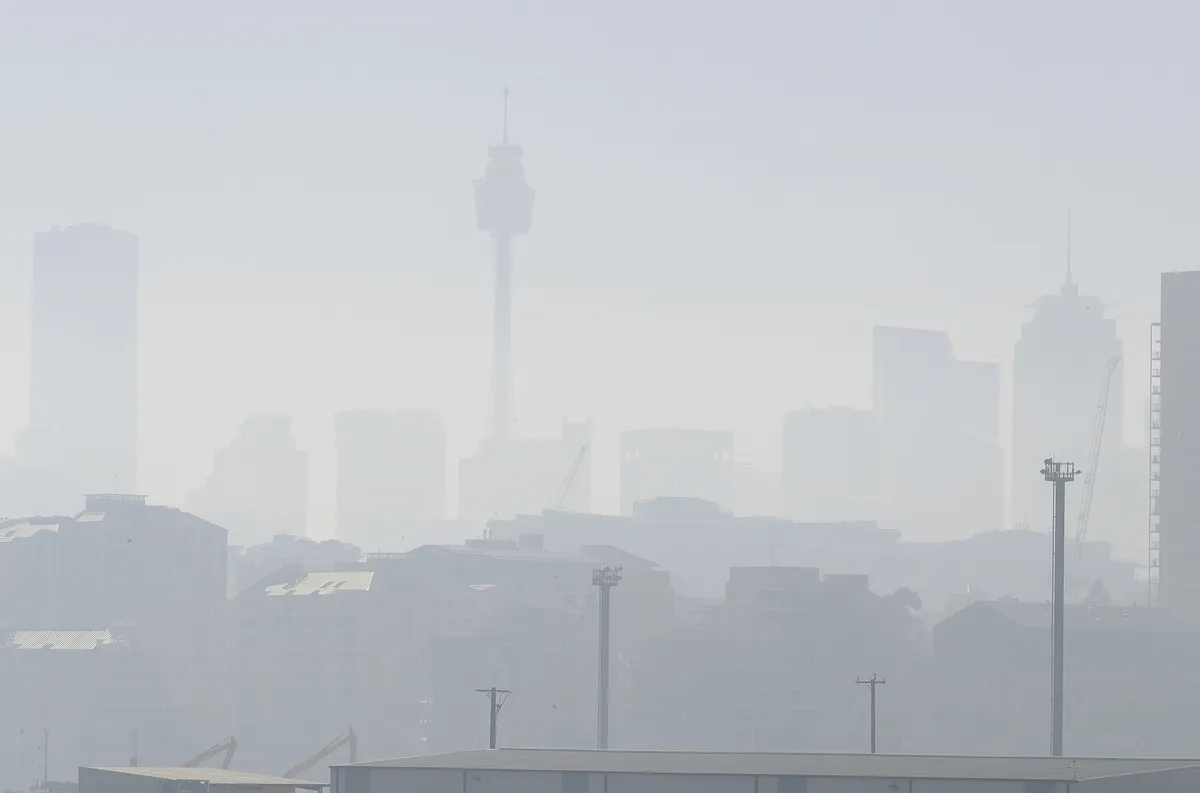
872 683
496 699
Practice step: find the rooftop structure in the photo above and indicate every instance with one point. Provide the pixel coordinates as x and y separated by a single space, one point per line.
324 584
62 640
785 769
211 780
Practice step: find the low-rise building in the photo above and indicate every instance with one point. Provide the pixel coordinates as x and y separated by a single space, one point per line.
583 771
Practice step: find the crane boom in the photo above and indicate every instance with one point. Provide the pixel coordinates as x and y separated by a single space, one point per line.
1089 481
228 746
348 738
564 489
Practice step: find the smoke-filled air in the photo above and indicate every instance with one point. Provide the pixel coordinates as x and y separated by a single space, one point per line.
626 397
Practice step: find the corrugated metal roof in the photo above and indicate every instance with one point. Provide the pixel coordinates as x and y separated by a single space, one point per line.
23 529
61 640
214 776
325 583
811 765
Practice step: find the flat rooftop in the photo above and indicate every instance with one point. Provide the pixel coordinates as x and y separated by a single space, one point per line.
213 776
595 761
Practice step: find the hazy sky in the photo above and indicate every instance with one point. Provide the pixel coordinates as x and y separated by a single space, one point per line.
728 198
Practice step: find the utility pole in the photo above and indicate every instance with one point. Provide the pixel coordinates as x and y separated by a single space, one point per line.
872 683
605 578
496 699
1059 474
45 759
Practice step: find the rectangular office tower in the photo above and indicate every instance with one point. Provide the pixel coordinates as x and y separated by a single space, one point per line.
83 390
1179 497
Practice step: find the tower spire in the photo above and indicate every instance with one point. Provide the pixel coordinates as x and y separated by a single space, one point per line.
505 140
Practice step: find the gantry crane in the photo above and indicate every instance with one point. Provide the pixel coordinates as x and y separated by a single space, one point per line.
1089 474
348 738
228 746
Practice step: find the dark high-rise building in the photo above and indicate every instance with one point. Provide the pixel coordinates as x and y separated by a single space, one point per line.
259 484
1058 370
941 470
83 393
830 465
1179 497
391 469
677 463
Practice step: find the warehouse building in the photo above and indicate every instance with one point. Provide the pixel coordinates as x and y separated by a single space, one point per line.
589 771
186 780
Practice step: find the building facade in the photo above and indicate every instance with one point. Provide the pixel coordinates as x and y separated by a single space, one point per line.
941 466
1058 370
258 488
83 391
677 463
1179 498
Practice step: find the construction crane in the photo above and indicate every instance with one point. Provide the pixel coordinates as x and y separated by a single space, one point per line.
348 738
228 746
1089 480
564 489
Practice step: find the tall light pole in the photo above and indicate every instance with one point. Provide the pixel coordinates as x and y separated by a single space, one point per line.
1059 474
605 578
872 683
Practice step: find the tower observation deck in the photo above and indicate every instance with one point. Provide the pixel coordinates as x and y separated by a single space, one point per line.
504 209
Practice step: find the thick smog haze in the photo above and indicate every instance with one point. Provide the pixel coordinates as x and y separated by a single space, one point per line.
727 201
634 398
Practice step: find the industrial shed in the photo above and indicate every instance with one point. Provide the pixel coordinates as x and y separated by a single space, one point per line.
590 771
186 780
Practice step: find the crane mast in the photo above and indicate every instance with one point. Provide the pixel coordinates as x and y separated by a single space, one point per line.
1089 481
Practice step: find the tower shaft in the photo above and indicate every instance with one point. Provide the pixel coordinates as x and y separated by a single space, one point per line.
502 340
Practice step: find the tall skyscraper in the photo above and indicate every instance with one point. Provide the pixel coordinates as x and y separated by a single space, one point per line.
391 470
83 393
941 470
657 463
830 465
259 484
504 209
1179 497
1058 368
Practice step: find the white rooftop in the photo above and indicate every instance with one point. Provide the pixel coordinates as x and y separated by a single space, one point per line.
325 583
61 640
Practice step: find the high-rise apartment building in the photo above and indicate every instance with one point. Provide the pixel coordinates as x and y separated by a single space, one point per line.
941 470
657 463
1179 498
83 393
830 465
391 469
259 484
1058 370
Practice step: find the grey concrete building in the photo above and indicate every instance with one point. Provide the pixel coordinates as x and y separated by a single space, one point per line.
1179 498
582 771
